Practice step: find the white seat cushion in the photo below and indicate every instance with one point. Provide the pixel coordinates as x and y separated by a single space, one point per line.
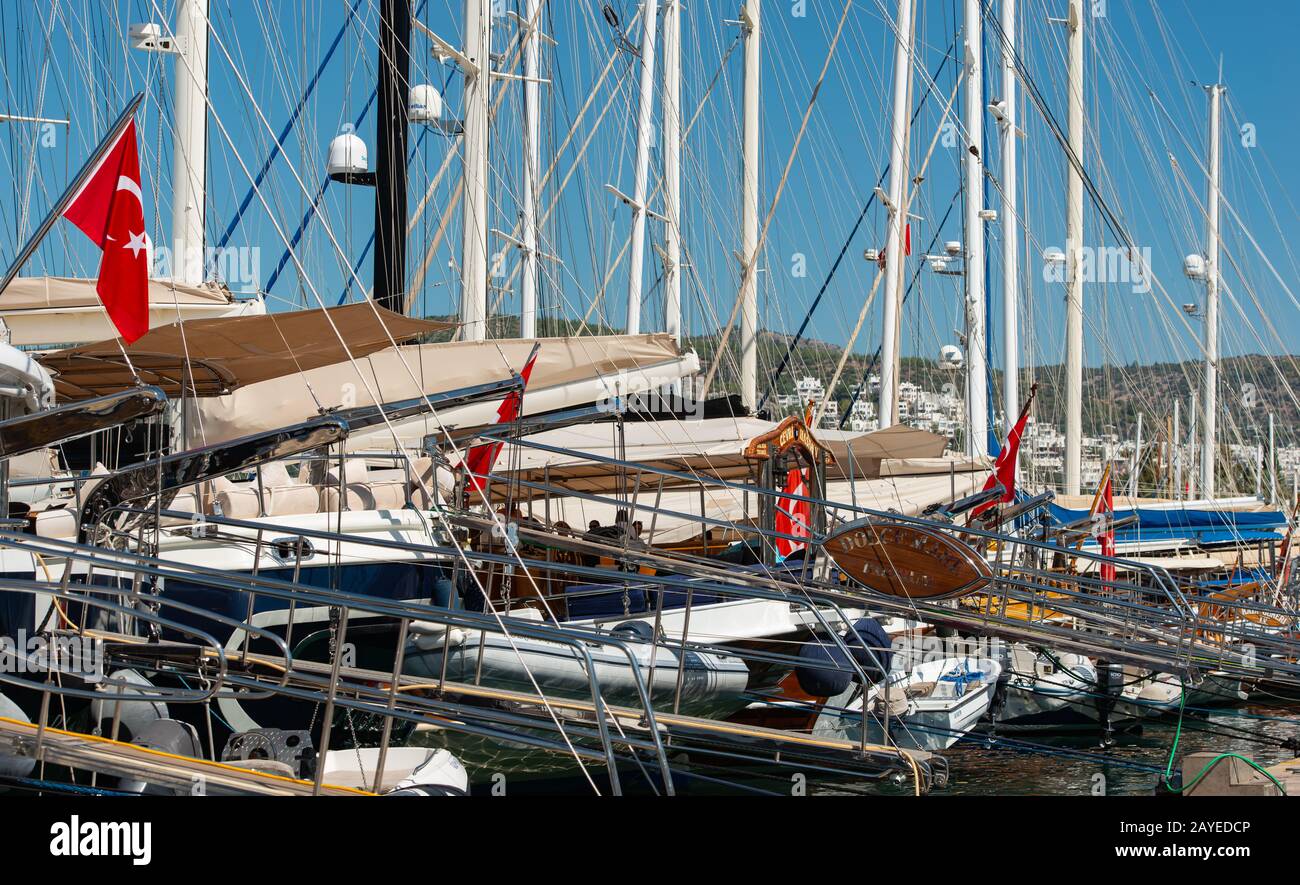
60 522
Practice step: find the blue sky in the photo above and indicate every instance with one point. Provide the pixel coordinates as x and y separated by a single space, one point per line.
71 60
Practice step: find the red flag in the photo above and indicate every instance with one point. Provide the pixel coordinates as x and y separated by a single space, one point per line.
1004 468
1106 537
479 461
109 208
907 246
793 517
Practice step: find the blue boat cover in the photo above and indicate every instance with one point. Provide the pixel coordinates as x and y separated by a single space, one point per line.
1203 526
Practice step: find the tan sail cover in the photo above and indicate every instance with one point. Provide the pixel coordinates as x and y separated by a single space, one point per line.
215 357
568 372
907 494
714 448
908 472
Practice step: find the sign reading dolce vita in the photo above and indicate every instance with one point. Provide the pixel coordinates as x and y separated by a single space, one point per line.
904 560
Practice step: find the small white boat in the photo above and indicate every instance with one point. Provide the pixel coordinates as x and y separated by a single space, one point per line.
1162 693
929 707
408 771
1047 691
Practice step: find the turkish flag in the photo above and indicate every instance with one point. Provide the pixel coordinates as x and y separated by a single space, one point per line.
109 208
1106 537
481 458
1004 468
793 517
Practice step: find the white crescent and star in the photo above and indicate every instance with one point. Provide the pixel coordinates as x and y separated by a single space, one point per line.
136 244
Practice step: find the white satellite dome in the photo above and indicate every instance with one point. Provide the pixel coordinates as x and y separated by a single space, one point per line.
425 104
950 357
348 155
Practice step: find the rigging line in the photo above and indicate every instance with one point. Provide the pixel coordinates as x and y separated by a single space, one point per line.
582 151
314 204
751 261
278 146
1111 219
908 196
366 383
807 318
916 275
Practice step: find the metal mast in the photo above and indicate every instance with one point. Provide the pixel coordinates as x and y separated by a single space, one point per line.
752 24
532 165
190 148
672 149
976 376
1073 257
478 86
1209 401
1010 219
645 109
390 152
898 155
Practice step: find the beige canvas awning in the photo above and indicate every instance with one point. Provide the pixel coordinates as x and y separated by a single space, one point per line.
568 372
67 293
57 312
714 448
859 455
214 357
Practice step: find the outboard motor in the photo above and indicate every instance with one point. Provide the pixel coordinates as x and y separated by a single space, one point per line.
440 775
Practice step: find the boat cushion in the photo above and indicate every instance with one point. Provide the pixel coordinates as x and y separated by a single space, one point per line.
588 600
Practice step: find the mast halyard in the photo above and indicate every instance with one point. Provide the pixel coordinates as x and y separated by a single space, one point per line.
474 204
898 171
391 146
645 107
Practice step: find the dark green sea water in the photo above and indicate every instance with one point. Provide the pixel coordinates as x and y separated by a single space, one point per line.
1125 769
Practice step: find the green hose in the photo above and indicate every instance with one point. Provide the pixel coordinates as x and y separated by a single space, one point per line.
1178 733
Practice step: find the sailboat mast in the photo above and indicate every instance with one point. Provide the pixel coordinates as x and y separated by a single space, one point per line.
478 86
672 149
1010 219
390 147
887 402
1073 258
190 146
1209 401
532 164
976 375
752 24
645 107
